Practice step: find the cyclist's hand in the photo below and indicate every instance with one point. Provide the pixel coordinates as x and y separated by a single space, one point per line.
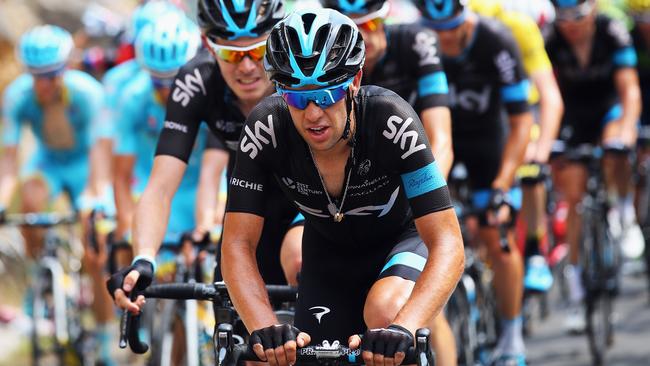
384 346
277 344
498 210
137 276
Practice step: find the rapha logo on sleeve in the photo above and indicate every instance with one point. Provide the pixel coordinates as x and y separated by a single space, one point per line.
186 89
254 141
407 140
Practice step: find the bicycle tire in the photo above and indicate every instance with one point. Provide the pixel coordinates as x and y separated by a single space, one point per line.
599 326
459 312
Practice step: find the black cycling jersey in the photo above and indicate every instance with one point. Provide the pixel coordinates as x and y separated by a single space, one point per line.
393 175
484 79
643 68
201 94
589 93
411 67
393 179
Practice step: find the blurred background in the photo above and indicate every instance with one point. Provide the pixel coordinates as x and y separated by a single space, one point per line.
100 29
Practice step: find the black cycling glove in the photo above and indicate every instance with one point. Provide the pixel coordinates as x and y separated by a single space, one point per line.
274 336
387 341
142 266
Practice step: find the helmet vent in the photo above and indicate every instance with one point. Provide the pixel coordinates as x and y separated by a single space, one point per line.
308 21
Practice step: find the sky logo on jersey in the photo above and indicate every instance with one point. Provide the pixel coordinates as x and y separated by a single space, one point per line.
254 142
470 100
402 137
506 65
186 90
425 47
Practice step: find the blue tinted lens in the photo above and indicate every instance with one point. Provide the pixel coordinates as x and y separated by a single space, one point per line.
323 98
162 83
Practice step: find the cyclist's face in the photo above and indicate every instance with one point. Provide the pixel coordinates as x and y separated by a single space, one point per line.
452 41
322 128
246 78
374 37
577 30
48 88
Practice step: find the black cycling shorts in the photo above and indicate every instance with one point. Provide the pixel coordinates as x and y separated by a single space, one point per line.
336 278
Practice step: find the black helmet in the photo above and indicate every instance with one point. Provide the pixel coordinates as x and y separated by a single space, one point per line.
314 47
232 19
355 6
440 10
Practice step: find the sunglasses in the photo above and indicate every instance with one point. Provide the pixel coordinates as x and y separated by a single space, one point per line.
323 98
159 83
371 22
235 55
575 13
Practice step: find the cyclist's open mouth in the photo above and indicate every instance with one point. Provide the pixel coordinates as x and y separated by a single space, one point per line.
248 82
319 133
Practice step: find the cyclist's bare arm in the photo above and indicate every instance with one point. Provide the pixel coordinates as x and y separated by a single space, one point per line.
513 153
241 235
441 233
213 163
8 174
551 109
123 168
437 125
150 221
627 86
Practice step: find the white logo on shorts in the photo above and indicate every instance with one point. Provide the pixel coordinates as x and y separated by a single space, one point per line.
319 315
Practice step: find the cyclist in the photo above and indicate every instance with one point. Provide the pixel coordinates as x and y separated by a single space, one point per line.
594 62
485 74
349 145
547 101
640 13
61 107
220 86
404 58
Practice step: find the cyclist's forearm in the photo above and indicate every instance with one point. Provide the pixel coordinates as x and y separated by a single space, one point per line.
150 222
212 166
124 205
551 109
444 266
513 154
627 84
8 175
437 125
240 272
100 167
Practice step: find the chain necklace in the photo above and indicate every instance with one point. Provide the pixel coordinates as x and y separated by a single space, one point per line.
338 215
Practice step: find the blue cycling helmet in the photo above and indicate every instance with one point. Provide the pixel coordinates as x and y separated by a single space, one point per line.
233 19
314 47
355 6
163 47
443 14
149 13
568 3
45 49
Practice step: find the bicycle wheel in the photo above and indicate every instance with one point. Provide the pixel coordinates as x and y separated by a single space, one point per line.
459 312
599 325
